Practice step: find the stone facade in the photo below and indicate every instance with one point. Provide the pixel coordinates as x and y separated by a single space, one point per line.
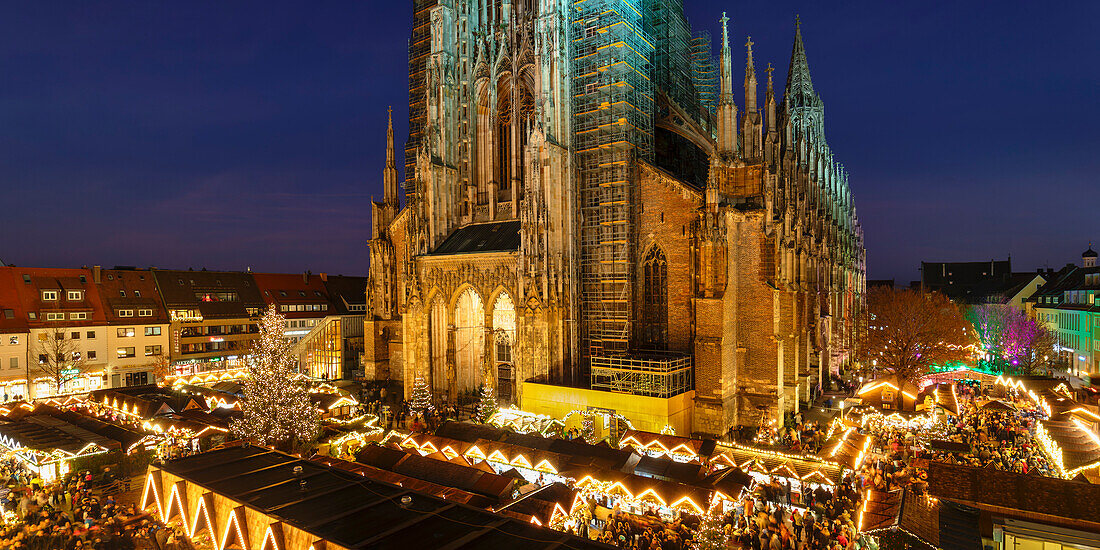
757 273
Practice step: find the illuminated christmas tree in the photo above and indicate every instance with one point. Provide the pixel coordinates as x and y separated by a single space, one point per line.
276 406
487 406
711 535
421 400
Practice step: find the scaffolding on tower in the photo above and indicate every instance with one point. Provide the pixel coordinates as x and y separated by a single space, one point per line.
613 107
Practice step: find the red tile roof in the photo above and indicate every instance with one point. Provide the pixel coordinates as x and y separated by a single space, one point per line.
30 282
300 288
10 303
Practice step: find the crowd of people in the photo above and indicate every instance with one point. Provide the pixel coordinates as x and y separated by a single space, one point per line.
770 521
72 514
1001 439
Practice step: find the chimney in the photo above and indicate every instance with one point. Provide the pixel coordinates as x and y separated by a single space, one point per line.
305 277
324 276
97 274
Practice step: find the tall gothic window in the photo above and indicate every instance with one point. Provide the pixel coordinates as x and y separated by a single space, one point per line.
655 299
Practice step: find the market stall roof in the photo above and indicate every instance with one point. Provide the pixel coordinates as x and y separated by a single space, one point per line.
124 435
669 470
378 474
541 504
806 468
666 493
847 448
48 434
467 478
581 453
515 455
943 394
353 511
642 440
983 487
1079 445
880 510
997 405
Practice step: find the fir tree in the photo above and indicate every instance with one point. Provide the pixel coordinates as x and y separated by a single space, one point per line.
421 400
711 535
487 406
276 406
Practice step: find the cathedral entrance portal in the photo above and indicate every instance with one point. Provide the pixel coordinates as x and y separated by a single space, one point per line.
504 337
469 323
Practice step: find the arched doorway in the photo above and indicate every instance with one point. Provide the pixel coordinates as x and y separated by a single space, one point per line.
504 337
469 321
437 341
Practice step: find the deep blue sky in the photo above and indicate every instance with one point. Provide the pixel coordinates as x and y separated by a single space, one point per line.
237 134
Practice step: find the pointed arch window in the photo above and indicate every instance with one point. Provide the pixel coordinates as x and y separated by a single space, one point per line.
655 299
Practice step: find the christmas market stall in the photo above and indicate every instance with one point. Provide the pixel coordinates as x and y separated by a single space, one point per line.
889 393
678 448
254 497
47 440
804 472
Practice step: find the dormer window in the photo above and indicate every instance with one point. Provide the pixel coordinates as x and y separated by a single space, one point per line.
49 295
75 295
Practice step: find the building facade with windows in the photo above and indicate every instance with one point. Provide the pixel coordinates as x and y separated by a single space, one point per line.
212 318
14 334
301 298
333 347
137 326
67 330
1070 306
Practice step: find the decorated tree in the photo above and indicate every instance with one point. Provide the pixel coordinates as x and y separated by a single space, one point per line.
276 406
908 331
711 535
421 400
487 405
1010 340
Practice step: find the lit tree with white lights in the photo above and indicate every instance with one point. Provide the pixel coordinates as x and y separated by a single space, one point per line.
487 406
276 406
421 399
711 535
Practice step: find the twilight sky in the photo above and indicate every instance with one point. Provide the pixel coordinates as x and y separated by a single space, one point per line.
251 134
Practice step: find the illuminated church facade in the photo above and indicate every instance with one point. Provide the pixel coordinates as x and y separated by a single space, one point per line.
586 205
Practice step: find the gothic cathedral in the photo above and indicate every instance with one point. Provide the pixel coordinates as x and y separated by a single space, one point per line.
585 206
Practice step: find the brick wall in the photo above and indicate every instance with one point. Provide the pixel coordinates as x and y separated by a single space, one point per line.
666 218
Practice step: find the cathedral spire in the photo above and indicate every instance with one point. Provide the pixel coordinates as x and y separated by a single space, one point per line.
727 111
750 79
726 92
769 100
389 174
800 89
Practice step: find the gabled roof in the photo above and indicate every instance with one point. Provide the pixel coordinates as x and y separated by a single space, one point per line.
13 317
182 290
30 282
293 288
131 289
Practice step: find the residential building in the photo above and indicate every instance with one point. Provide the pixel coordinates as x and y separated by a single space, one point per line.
14 336
301 298
137 326
1068 305
212 318
67 329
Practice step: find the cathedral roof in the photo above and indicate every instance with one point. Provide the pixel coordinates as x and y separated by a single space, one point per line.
482 237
